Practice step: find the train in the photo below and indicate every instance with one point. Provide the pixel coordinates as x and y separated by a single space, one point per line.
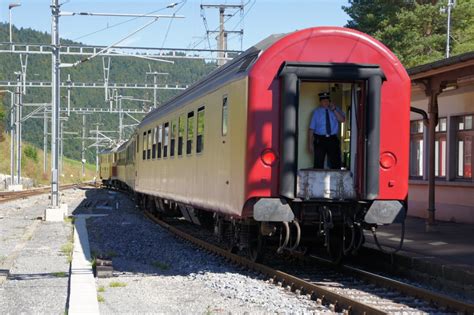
230 153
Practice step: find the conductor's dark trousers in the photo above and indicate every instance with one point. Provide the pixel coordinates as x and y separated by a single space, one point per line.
329 146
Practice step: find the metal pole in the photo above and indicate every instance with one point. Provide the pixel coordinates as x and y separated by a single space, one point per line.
154 89
450 4
55 103
83 144
106 67
221 60
45 140
18 129
120 117
97 149
12 139
24 65
69 95
10 22
61 144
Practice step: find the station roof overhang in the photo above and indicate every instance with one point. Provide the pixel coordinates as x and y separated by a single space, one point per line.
456 69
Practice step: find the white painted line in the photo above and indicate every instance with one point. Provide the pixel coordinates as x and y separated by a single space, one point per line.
83 292
438 243
397 239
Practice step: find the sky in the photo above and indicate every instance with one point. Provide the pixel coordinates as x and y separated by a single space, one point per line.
260 18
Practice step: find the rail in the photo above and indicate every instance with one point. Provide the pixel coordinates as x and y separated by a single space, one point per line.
14 195
336 302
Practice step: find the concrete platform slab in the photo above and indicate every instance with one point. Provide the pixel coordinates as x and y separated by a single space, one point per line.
83 292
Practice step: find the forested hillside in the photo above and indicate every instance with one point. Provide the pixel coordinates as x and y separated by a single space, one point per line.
122 70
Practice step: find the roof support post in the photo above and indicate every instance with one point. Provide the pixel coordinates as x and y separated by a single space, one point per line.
432 90
432 122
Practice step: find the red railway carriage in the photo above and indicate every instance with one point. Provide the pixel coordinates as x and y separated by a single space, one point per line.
328 54
245 167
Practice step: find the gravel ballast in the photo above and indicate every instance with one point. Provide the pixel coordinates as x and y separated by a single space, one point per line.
154 272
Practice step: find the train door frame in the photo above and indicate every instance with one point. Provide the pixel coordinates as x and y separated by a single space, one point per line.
290 74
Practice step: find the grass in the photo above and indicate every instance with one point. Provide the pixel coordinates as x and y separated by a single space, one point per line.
160 265
101 288
117 284
69 219
100 298
66 249
72 170
60 274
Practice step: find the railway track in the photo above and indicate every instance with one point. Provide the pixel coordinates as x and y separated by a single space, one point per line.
343 289
15 195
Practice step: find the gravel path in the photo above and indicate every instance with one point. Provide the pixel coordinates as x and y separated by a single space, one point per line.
156 273
34 253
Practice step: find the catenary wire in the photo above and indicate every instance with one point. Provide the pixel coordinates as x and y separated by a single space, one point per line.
118 24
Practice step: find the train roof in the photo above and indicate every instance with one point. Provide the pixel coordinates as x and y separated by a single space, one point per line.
117 148
237 68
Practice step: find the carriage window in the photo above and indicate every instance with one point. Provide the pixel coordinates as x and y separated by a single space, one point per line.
416 148
464 146
190 135
174 127
144 145
153 149
137 141
148 151
166 139
200 130
225 116
440 148
182 122
160 139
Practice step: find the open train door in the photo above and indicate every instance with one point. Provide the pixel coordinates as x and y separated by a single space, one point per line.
364 154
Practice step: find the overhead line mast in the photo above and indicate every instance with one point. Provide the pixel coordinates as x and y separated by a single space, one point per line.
222 33
55 212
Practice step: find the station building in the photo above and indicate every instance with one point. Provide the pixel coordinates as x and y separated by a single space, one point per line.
445 90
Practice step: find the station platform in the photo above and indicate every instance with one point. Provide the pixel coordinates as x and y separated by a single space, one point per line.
444 257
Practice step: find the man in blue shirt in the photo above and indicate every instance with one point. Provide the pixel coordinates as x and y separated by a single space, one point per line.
323 133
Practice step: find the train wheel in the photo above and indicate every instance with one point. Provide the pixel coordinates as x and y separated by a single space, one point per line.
256 245
335 248
225 232
255 249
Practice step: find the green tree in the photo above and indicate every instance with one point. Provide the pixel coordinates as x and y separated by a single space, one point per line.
415 30
368 15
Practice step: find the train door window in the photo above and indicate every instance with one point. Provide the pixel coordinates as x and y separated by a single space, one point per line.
200 130
153 149
190 135
144 145
166 130
174 127
182 128
148 152
225 116
160 140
